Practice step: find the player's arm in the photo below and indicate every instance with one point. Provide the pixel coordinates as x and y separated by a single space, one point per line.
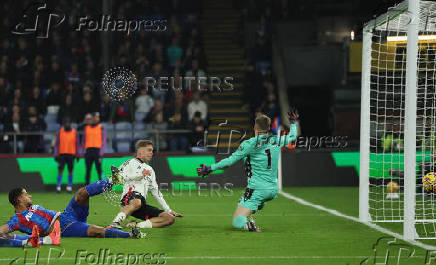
103 142
78 146
82 144
4 229
56 146
154 189
243 150
10 226
292 135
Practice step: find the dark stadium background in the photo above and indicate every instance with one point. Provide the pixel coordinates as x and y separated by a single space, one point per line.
305 54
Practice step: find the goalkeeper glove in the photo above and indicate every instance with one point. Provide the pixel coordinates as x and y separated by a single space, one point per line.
293 115
204 170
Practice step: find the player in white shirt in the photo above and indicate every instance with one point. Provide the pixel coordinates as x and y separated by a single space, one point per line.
138 177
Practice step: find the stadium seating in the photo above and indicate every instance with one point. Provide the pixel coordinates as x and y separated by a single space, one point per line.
139 116
137 135
50 118
48 139
53 127
123 137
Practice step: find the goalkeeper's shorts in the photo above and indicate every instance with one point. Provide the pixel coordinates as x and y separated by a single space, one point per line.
143 213
255 199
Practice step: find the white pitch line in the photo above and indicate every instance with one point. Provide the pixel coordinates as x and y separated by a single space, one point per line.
355 219
237 257
224 215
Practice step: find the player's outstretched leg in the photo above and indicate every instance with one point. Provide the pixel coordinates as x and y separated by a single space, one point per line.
97 231
59 178
54 238
24 241
241 220
82 229
95 188
164 219
126 211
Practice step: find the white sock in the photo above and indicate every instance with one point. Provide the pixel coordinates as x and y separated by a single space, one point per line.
46 240
119 218
145 224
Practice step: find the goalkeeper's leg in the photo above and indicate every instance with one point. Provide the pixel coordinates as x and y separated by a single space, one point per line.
241 219
251 201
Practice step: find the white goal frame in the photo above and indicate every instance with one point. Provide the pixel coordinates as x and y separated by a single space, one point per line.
412 9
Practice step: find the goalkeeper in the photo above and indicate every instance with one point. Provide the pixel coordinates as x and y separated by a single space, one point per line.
261 154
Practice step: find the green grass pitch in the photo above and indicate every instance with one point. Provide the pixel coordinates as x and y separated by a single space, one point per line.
291 233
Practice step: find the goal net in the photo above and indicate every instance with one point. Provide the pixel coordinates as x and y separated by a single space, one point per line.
396 135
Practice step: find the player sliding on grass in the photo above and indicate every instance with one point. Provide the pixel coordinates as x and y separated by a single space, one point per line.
70 223
261 154
138 177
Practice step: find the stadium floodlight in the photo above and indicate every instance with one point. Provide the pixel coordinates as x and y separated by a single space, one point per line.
398 117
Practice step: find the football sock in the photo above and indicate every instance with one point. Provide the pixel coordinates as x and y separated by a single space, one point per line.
43 240
119 218
240 222
46 240
59 180
12 243
110 232
98 187
144 224
70 180
21 237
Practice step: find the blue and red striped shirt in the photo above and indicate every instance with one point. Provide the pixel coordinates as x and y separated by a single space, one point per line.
34 215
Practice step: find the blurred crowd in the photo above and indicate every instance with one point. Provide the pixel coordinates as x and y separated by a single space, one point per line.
260 86
45 81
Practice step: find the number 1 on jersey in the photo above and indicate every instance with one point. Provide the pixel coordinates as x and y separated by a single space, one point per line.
268 153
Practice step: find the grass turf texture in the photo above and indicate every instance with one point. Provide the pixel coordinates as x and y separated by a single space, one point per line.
292 233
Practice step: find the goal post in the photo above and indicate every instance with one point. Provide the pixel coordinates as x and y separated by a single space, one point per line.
365 128
398 119
409 231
